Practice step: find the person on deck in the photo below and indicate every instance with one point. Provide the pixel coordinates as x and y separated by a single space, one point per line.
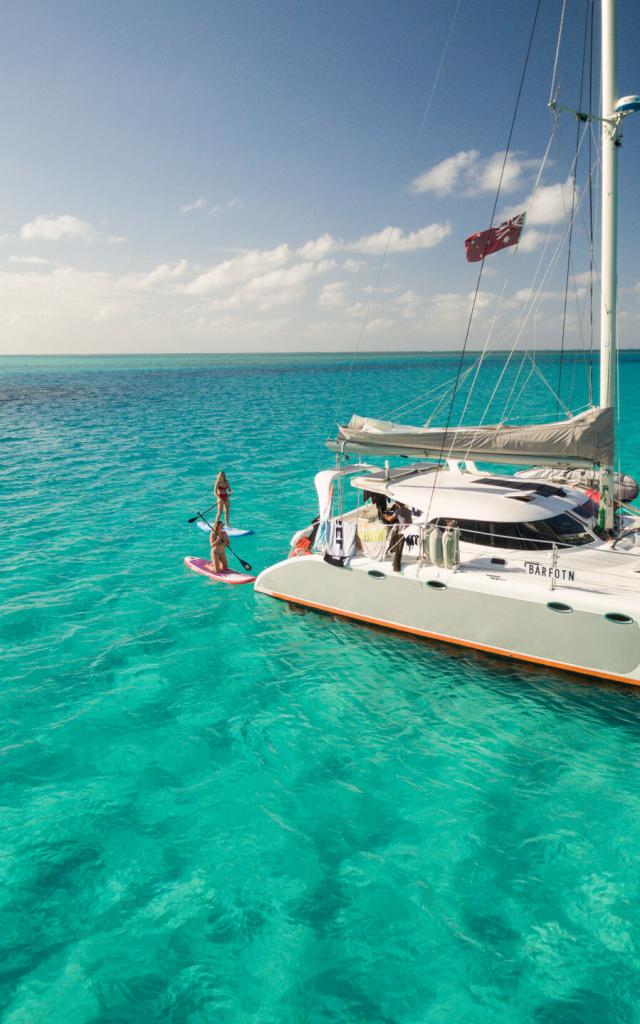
222 490
398 513
379 500
400 516
219 543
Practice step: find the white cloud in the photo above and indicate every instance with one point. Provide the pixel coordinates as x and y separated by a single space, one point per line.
285 278
35 260
446 308
443 177
529 294
271 287
216 208
547 205
550 203
213 209
409 304
162 275
468 173
586 277
238 269
197 204
333 295
356 309
52 228
389 239
318 247
394 240
381 323
512 171
353 266
41 301
283 286
531 239
117 239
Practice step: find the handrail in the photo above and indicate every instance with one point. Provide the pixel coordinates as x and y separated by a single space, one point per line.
506 536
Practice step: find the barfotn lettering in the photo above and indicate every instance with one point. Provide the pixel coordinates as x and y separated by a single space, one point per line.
549 572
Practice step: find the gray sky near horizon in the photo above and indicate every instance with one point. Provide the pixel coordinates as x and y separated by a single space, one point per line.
240 176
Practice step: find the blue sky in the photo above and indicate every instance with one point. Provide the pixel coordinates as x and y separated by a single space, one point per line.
220 176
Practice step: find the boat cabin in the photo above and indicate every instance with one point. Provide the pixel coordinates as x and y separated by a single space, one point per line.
490 511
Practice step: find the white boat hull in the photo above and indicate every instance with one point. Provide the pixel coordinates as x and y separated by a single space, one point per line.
502 612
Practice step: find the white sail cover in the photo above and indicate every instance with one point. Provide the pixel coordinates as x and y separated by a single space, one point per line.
583 439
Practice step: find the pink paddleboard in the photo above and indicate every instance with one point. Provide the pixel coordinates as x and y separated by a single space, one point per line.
203 566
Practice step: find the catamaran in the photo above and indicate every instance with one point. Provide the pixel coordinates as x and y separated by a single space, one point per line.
532 566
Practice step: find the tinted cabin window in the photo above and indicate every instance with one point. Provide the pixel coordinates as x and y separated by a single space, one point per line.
539 536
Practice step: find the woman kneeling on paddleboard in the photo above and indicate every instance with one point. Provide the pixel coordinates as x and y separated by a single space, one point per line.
222 490
219 543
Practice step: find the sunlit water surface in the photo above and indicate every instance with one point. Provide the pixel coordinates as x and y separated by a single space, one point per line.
216 809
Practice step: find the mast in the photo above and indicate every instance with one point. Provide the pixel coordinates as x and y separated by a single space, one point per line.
609 241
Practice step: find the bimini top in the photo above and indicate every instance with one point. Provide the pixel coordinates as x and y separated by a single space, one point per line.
581 440
444 494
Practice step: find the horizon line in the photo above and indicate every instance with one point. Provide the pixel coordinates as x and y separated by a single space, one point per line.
275 352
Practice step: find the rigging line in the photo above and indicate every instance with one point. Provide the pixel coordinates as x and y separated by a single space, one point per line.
532 305
482 357
529 306
535 290
532 299
439 401
581 346
485 348
420 398
618 432
493 213
463 377
504 287
592 278
540 261
507 404
555 63
575 210
522 389
544 380
412 160
573 199
591 260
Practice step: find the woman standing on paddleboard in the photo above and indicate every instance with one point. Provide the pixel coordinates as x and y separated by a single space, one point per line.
219 543
222 490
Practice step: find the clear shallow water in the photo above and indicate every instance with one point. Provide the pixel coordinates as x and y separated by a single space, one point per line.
217 809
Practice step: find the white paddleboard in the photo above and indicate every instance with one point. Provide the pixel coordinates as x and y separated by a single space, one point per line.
231 531
204 567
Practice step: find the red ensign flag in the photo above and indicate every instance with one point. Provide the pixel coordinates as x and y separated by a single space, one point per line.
493 239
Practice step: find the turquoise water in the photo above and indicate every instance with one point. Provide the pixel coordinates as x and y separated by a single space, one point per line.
217 809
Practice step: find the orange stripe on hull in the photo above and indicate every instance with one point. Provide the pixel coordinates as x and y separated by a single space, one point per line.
460 643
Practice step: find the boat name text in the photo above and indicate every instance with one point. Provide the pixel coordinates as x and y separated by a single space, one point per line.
549 572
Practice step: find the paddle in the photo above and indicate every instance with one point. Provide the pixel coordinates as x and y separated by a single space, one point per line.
245 565
199 515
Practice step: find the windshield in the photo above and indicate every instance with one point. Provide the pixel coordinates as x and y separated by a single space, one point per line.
541 535
589 510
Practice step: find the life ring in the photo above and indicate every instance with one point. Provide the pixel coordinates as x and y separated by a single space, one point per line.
301 547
